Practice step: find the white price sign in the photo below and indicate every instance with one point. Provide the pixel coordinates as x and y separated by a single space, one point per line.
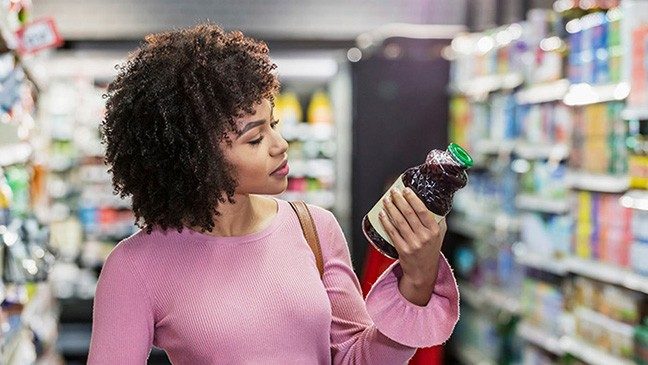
38 35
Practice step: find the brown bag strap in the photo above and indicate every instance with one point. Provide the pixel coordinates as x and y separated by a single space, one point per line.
310 232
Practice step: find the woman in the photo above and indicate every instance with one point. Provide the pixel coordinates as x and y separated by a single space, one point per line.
219 273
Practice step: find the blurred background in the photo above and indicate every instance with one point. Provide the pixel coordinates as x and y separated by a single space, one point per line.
549 240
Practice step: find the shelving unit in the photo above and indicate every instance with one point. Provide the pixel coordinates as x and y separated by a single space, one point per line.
542 338
564 132
29 313
541 204
490 297
598 182
586 94
543 93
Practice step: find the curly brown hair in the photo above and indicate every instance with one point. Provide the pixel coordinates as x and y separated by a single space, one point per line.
172 103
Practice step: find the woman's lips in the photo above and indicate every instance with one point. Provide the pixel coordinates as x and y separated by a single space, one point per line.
282 170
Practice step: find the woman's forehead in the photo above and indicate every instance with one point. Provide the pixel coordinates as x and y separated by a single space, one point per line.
262 110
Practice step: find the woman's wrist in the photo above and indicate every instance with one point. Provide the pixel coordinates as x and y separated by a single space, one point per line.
417 292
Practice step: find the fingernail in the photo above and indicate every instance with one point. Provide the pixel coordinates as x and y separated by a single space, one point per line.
408 191
381 213
387 200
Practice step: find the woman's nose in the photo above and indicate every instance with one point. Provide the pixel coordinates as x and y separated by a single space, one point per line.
280 146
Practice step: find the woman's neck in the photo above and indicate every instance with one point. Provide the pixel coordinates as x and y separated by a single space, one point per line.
249 214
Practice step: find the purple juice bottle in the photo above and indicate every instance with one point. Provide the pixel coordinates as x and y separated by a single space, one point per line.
434 182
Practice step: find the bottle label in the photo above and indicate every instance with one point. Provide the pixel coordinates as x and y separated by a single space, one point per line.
373 213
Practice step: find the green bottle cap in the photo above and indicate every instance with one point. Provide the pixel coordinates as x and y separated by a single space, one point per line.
460 155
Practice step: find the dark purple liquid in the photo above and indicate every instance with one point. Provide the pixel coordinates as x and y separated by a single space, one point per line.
435 183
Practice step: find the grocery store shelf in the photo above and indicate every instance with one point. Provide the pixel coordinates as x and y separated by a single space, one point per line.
466 227
15 153
541 338
635 114
491 297
609 274
555 266
591 354
533 151
478 228
480 86
598 182
586 94
596 270
635 199
494 147
542 93
541 204
468 355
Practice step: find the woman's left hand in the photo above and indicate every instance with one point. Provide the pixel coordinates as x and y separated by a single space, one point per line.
417 238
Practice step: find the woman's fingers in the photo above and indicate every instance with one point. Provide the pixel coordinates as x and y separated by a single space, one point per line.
407 210
393 233
425 216
397 218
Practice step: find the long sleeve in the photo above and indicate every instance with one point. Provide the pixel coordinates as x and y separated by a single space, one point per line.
122 329
386 329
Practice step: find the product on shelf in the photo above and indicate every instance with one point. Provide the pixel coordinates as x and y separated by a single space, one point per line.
599 139
637 143
312 147
545 179
543 305
617 303
606 315
595 47
434 181
641 343
639 75
603 228
547 235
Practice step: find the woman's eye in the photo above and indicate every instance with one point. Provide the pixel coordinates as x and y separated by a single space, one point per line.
273 125
256 141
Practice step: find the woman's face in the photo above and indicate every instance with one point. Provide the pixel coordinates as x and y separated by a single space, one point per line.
258 153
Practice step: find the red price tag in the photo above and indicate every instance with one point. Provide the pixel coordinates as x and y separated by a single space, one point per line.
38 35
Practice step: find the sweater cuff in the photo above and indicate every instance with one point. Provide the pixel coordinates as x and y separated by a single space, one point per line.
410 324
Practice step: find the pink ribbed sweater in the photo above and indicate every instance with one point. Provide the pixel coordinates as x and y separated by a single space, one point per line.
258 299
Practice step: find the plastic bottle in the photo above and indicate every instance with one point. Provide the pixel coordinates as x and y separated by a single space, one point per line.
434 182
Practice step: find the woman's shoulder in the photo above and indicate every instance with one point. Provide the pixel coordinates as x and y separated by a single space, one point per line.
141 244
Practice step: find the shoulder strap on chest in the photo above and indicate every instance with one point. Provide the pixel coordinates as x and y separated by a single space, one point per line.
310 232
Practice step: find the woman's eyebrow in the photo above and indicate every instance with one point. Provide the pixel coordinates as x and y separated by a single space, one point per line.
249 126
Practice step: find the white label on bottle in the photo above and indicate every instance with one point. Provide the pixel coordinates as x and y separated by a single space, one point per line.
373 213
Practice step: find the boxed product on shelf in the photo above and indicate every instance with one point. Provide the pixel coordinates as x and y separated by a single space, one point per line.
605 315
480 334
546 123
543 305
638 170
638 254
603 228
599 139
545 179
617 303
595 47
639 75
547 235
605 334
